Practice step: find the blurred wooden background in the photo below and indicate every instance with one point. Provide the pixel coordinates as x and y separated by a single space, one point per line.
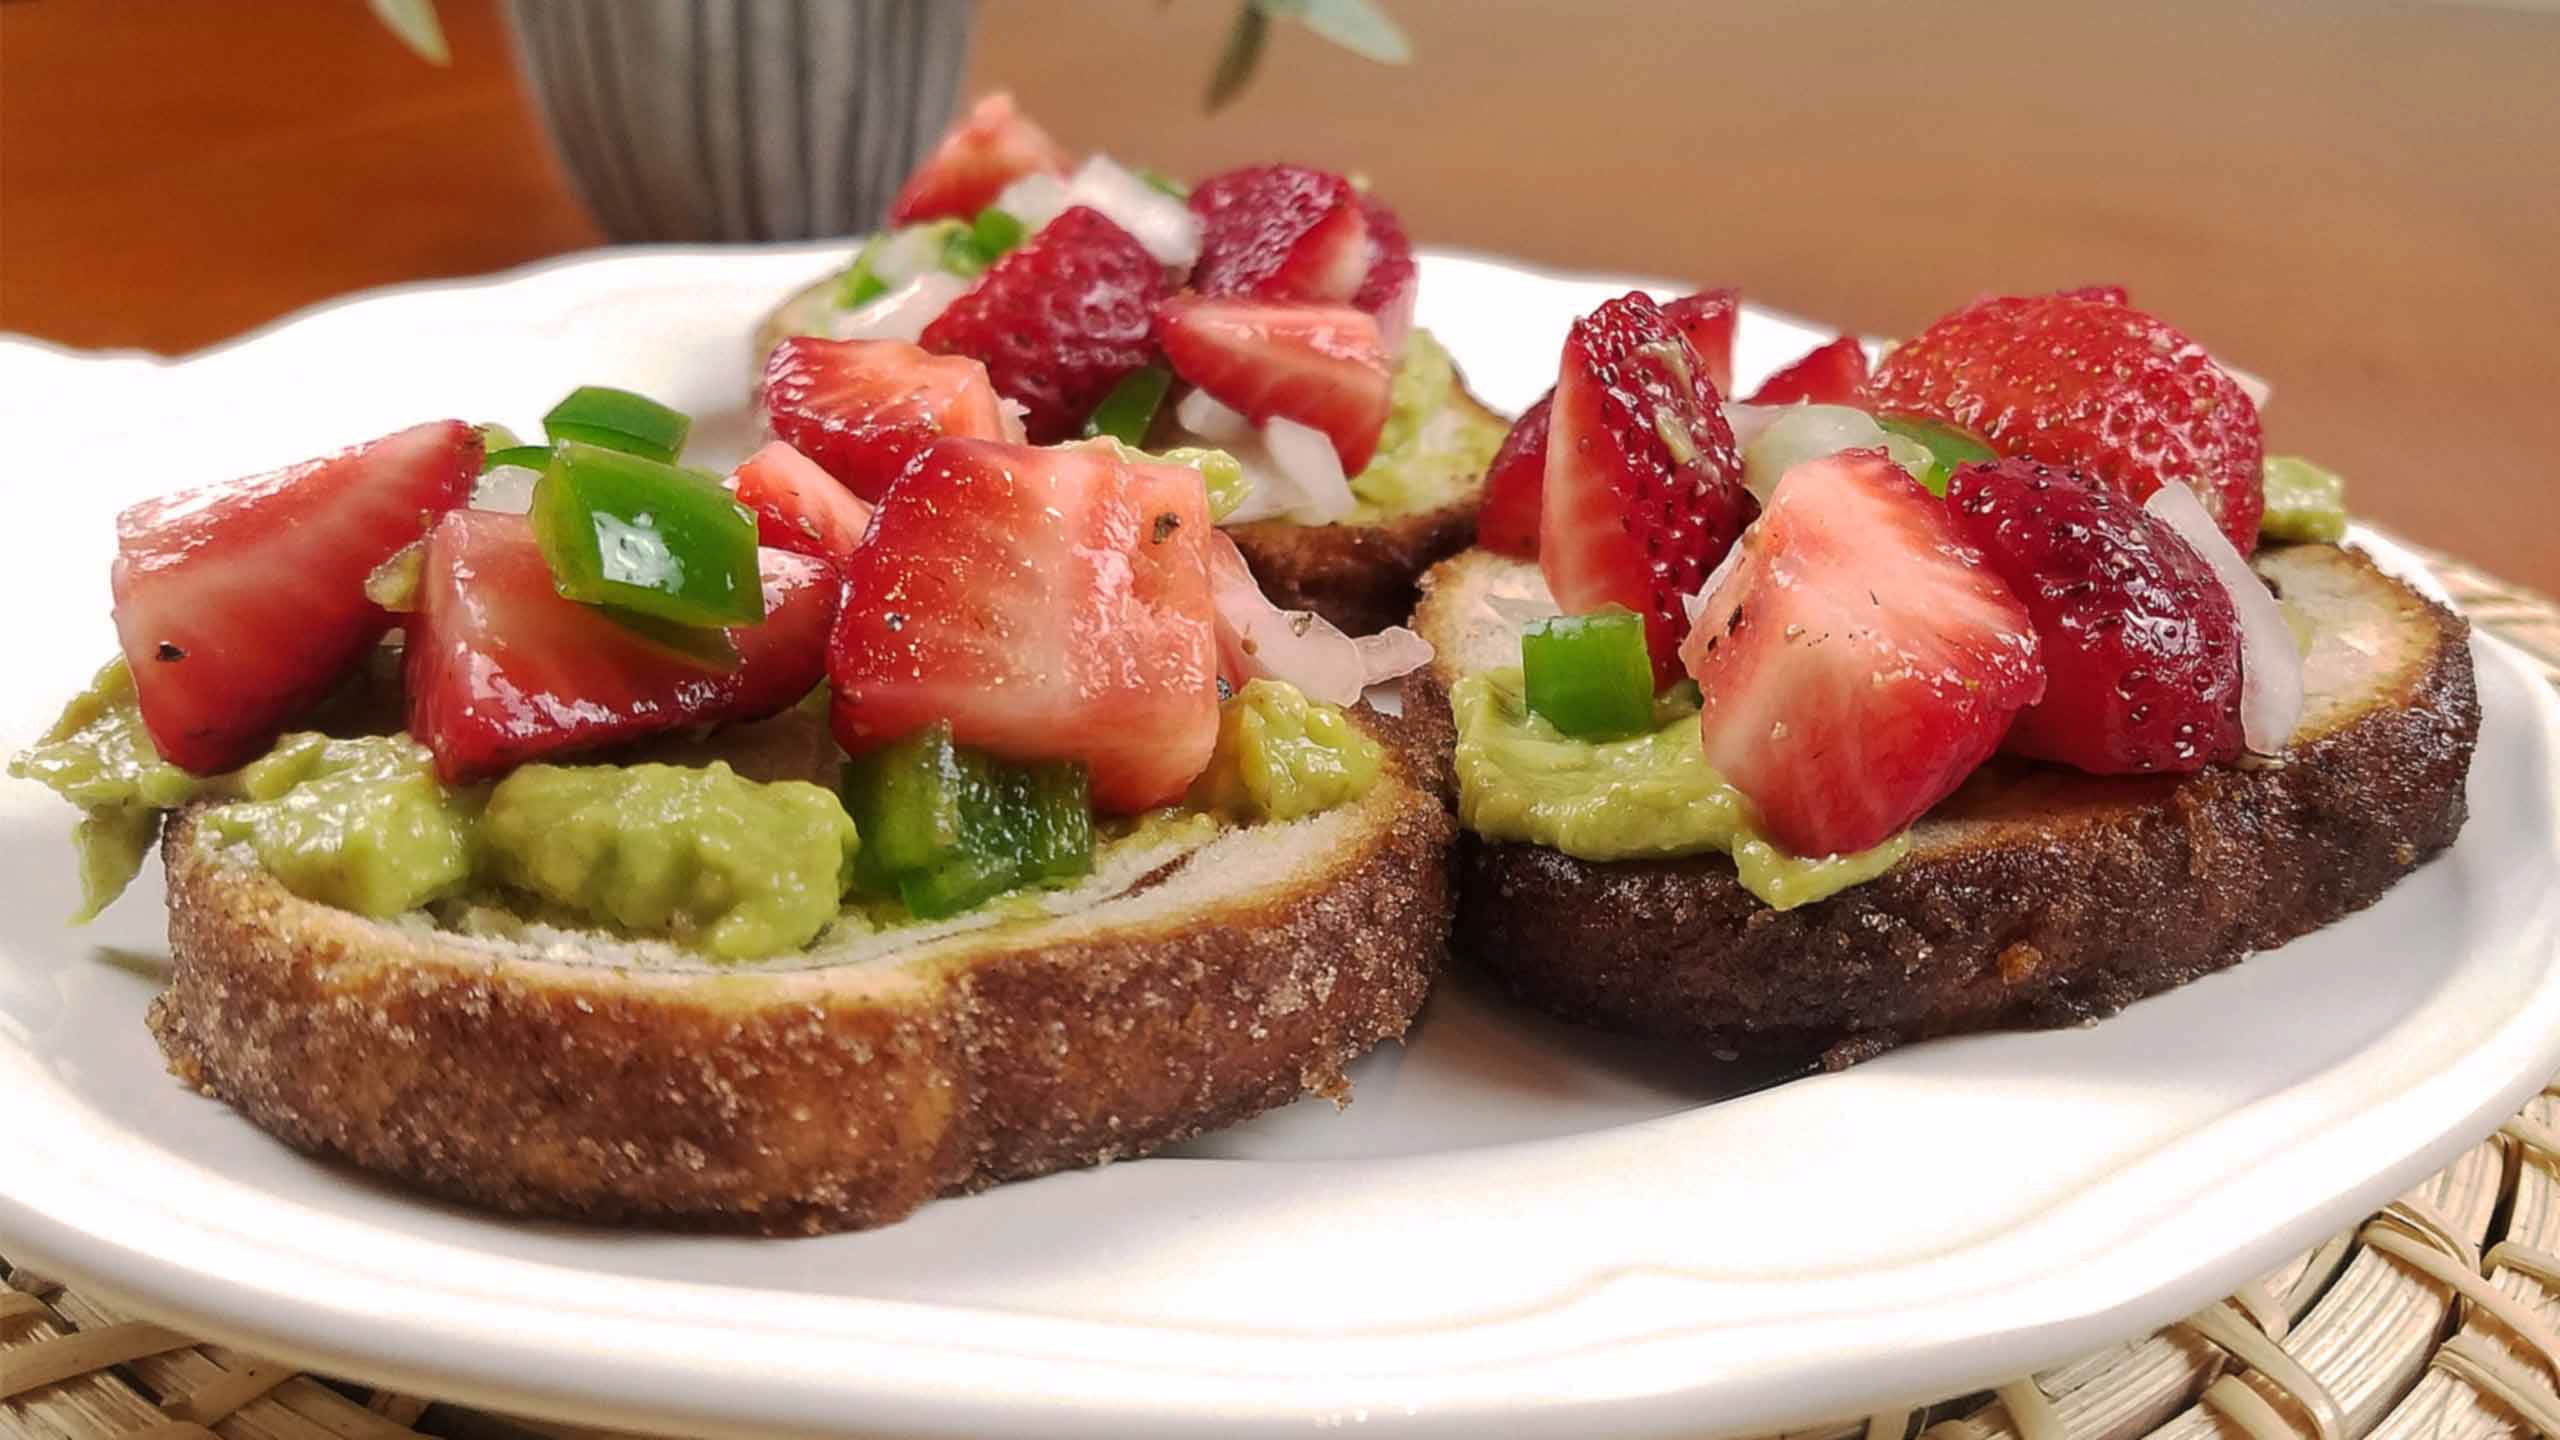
2359 200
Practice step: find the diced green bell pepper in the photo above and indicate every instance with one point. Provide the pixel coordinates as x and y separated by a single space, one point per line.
1948 447
946 827
647 538
1589 675
618 420
1129 411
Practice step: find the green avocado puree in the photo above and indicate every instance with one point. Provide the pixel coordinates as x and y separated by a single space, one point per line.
1432 450
735 867
2304 502
1282 756
1521 779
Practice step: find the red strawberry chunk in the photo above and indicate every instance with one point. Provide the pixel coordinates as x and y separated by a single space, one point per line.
1858 661
987 149
2084 380
1644 490
1050 604
1321 365
1059 320
1707 319
1515 485
1388 290
500 670
239 606
861 409
798 506
2141 643
1282 232
1833 374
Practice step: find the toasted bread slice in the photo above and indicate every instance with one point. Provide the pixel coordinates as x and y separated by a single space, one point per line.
1360 576
2033 896
1187 986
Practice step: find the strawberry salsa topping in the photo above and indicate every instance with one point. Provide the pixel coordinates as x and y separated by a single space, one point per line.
1021 645
1895 575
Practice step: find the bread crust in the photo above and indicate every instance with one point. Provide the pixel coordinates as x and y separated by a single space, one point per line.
755 1101
2034 897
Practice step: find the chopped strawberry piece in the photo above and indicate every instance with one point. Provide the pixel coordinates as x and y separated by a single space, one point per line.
1515 485
1833 374
1059 320
1644 488
1050 604
798 506
1281 232
1387 291
1707 319
1321 365
2085 381
861 409
2141 643
240 605
1858 661
987 149
500 670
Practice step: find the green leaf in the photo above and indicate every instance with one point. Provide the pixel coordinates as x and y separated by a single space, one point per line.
1356 25
1242 53
414 21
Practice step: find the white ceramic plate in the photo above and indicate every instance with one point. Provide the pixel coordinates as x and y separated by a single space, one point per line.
1514 1219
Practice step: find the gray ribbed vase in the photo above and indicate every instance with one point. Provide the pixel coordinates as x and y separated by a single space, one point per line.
740 119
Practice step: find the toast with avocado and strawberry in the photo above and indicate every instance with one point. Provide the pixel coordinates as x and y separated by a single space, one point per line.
1945 697
1266 314
536 836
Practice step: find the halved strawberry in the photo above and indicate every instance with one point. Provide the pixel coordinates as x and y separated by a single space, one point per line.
1387 291
861 409
2084 380
1707 320
1050 604
501 670
1644 488
987 149
798 506
1832 374
1858 661
1320 365
240 605
1515 485
1281 232
2140 642
1059 320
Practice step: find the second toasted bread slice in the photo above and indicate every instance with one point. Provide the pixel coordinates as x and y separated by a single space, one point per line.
2034 895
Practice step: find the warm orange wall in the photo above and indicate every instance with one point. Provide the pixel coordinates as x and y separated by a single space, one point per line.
2359 200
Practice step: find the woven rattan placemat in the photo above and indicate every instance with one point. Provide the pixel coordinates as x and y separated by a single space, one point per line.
2438 1318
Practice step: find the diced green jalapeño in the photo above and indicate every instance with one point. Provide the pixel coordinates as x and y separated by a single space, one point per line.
947 827
1589 675
1948 447
646 537
618 420
1129 411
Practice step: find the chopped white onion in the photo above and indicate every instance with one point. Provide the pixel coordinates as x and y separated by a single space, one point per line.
1747 421
508 489
902 255
1391 654
2258 391
1690 605
1306 461
1164 225
1257 639
1014 412
2270 663
1214 423
903 313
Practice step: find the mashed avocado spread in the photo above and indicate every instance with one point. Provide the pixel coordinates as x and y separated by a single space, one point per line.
1433 449
737 868
2304 502
1654 794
